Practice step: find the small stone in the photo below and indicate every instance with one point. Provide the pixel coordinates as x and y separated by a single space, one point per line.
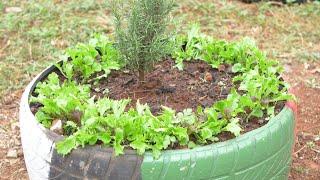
15 126
222 68
190 69
205 103
228 69
211 94
82 164
13 9
192 82
13 161
153 84
196 74
306 65
12 153
106 91
158 66
287 68
225 91
208 77
20 152
314 71
220 83
57 126
17 142
201 68
11 142
261 121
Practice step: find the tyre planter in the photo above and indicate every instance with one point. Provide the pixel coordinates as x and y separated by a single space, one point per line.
264 153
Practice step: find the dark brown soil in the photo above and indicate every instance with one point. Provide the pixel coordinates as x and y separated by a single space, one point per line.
197 85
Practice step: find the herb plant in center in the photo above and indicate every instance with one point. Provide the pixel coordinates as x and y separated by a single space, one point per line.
141 32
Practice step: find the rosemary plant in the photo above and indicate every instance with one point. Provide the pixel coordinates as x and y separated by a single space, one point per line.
141 32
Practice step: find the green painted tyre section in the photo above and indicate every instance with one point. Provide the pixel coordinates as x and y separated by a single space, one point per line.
264 153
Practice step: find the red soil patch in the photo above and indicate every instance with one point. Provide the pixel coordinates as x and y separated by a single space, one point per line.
306 153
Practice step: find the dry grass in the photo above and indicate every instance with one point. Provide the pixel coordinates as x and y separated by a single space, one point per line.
36 37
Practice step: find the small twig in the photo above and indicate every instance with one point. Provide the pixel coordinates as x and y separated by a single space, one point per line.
166 100
302 40
141 91
5 46
315 150
142 97
202 98
5 130
311 128
30 51
274 3
295 153
96 78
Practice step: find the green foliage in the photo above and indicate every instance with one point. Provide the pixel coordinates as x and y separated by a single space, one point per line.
83 61
233 127
141 31
188 47
107 121
59 100
89 59
109 55
261 86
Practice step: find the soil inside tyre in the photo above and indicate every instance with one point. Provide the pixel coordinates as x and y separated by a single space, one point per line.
198 84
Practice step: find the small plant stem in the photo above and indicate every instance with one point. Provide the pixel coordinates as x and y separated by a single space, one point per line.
141 76
295 153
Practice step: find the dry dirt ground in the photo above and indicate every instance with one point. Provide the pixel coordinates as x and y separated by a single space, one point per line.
290 34
304 79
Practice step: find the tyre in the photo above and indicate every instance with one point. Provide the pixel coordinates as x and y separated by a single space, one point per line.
264 153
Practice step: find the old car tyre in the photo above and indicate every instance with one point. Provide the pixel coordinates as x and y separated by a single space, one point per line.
264 153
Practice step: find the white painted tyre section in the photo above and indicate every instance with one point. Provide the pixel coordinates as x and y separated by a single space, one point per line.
37 146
